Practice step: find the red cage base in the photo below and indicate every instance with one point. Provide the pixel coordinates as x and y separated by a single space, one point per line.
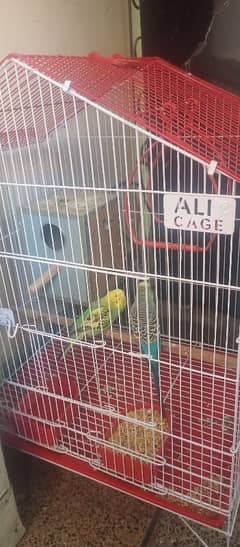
197 452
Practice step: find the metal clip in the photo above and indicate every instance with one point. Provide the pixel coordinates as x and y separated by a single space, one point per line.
161 489
212 167
95 462
109 407
66 85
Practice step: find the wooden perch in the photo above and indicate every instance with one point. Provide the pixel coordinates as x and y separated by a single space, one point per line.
44 279
207 355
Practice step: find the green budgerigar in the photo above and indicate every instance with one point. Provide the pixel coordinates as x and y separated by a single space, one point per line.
144 326
98 317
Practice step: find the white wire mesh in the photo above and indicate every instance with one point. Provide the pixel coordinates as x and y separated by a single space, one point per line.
65 242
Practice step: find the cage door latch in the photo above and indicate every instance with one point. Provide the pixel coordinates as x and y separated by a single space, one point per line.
7 320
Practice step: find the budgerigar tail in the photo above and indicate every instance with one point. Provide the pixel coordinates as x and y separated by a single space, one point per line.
69 346
66 350
155 376
153 349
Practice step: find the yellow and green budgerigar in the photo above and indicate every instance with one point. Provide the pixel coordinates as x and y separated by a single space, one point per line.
98 317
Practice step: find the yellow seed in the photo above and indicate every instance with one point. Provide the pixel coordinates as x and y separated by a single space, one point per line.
138 437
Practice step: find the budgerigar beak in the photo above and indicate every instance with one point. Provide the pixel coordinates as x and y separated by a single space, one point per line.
144 282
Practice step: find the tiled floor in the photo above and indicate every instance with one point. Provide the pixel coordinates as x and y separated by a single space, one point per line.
60 509
170 531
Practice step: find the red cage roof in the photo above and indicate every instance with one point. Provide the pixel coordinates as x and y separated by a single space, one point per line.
199 117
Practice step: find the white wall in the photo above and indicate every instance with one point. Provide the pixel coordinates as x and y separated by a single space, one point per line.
70 27
136 29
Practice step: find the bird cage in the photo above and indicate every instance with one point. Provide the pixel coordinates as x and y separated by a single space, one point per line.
119 217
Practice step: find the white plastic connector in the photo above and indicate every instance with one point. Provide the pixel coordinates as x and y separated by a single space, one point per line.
212 167
66 85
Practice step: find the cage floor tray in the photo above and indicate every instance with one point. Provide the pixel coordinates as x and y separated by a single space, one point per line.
66 409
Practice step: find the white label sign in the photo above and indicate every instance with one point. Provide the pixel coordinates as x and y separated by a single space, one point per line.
199 213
